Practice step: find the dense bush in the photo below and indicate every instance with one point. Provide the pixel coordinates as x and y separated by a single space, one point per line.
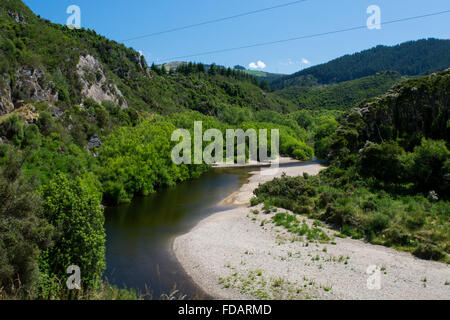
429 168
382 161
72 206
24 232
12 129
137 161
358 209
341 96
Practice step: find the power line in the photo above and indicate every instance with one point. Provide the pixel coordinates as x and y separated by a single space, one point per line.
303 37
214 21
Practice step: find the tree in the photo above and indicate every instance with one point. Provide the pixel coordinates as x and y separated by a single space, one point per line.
212 70
72 206
163 70
303 118
12 129
381 161
264 85
45 123
23 230
430 166
201 68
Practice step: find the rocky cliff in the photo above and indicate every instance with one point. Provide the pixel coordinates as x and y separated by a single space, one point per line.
95 85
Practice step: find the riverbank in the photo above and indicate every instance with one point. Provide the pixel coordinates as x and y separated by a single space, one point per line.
238 254
281 161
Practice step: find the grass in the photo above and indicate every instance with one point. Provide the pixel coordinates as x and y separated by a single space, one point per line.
254 283
104 291
293 225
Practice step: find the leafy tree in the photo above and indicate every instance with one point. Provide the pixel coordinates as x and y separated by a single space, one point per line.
303 118
212 70
264 85
23 230
163 70
429 168
12 129
381 161
45 123
32 137
72 206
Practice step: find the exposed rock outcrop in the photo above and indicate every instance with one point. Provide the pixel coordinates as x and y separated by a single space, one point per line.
6 104
94 142
31 85
139 60
18 17
95 84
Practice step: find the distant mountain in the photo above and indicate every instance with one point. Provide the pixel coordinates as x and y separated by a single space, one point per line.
262 75
411 58
341 96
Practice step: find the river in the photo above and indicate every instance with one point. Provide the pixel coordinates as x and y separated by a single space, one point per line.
140 234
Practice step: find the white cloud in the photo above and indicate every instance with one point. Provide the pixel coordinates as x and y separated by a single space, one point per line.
305 61
261 64
257 65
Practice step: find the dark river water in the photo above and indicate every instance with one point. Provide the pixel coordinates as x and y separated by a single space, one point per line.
140 234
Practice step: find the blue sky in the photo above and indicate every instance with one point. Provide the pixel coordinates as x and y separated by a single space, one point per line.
119 20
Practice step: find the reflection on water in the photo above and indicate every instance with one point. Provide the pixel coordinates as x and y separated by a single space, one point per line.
140 234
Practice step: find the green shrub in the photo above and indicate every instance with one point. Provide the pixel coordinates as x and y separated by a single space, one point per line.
24 232
12 129
430 167
429 252
381 161
45 123
72 206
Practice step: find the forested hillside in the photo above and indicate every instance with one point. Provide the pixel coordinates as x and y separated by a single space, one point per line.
389 179
56 55
341 96
409 59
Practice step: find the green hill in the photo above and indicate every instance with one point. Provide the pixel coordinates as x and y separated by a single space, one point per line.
411 111
389 177
69 66
411 58
341 96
